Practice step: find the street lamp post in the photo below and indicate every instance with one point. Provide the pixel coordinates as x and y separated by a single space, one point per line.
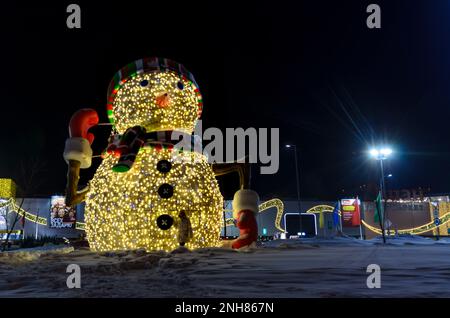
298 187
380 155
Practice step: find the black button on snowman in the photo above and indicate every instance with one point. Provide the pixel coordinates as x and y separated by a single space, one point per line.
164 221
163 166
165 191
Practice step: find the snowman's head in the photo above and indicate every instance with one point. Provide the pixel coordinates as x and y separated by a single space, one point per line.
154 93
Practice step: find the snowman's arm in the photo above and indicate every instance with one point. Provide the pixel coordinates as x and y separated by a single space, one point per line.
73 197
243 170
78 152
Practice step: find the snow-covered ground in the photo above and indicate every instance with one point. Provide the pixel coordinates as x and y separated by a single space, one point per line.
410 267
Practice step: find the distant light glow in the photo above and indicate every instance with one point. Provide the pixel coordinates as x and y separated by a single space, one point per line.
380 153
374 152
386 151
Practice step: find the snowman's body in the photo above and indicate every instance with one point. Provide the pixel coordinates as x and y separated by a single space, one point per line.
122 208
139 208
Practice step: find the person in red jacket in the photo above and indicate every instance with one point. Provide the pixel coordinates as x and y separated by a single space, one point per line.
245 207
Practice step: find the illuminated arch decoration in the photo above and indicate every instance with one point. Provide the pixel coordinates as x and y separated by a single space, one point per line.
80 226
279 205
12 205
416 230
5 203
323 208
273 203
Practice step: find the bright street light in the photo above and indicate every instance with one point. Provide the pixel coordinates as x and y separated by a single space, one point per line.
386 151
380 153
374 153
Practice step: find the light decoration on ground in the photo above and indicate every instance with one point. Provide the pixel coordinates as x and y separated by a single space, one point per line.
124 209
319 209
415 231
278 204
273 203
80 226
7 188
14 207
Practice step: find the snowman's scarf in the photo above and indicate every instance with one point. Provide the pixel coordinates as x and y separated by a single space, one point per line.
130 143
127 146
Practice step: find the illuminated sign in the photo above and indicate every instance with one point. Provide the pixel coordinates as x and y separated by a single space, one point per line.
350 212
61 216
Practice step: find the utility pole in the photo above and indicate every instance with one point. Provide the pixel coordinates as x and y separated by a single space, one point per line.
298 188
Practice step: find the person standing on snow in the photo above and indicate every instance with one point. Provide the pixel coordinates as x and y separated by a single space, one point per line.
184 229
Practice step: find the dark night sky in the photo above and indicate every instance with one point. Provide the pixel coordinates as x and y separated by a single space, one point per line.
266 64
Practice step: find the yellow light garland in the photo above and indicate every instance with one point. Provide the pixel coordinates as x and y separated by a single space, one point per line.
122 208
12 205
7 188
273 203
416 230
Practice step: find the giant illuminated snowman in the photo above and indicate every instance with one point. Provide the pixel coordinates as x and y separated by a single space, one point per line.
146 179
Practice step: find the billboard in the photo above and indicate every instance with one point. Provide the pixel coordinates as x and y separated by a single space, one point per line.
61 216
350 212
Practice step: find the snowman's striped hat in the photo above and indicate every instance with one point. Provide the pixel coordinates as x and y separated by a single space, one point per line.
148 65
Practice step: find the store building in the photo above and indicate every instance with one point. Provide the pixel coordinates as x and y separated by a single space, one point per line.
49 217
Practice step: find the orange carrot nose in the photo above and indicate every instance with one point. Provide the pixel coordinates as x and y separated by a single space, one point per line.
163 100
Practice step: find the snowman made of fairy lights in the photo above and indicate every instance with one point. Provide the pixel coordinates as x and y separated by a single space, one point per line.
145 180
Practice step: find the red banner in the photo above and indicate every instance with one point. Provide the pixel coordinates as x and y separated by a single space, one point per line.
351 216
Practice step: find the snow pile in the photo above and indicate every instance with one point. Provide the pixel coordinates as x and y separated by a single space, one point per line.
30 254
334 267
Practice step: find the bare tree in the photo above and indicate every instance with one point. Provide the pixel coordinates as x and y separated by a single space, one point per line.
28 182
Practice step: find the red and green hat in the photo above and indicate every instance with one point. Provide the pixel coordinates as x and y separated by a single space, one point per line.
148 65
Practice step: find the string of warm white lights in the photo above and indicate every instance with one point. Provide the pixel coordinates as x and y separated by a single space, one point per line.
158 102
444 219
138 207
122 208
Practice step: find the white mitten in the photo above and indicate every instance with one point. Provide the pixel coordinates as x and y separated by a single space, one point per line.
79 149
245 199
